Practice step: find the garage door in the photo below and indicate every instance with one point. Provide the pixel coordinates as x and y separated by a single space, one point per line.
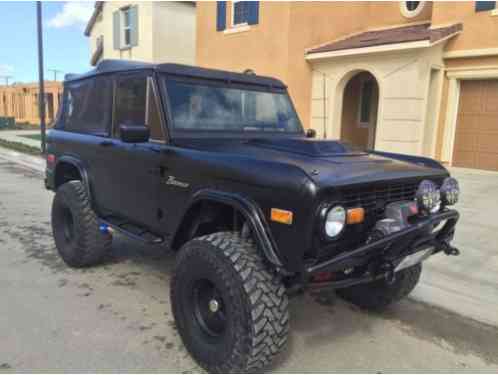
476 138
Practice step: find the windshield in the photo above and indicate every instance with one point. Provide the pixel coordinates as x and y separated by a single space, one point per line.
197 106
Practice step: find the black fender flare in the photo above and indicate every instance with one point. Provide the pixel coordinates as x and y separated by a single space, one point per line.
78 164
251 212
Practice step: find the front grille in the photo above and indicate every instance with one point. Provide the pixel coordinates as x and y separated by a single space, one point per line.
373 198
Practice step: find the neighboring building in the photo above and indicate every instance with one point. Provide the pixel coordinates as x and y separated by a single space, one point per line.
412 77
143 30
21 101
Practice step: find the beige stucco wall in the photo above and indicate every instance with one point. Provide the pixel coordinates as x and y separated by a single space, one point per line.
480 29
263 48
166 32
143 51
403 79
173 32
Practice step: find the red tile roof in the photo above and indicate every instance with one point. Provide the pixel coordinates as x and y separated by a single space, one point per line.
395 35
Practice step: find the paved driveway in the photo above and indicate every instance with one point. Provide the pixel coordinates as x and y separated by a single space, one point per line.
116 317
468 284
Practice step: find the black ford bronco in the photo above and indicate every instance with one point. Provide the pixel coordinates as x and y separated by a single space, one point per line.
217 167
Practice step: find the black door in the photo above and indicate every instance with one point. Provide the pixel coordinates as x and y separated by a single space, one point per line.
133 169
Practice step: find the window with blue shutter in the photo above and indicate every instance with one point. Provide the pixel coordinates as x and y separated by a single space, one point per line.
221 15
482 6
253 16
245 13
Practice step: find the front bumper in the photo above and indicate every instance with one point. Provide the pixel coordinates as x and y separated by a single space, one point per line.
381 257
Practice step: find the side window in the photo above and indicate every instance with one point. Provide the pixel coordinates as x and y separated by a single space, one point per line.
87 106
153 120
136 104
131 94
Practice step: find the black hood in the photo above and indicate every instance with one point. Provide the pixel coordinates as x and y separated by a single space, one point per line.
327 163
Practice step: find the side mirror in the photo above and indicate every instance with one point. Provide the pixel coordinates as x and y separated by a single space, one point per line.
134 133
310 133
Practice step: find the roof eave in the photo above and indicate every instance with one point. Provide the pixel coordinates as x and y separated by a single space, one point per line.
310 56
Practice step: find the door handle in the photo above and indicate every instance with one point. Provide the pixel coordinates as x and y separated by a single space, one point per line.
157 171
106 143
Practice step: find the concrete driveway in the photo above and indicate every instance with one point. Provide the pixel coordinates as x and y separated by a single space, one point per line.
116 317
468 284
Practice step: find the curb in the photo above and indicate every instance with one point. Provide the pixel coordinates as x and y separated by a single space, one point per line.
32 162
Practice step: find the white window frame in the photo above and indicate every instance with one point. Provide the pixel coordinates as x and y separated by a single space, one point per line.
235 25
407 13
125 27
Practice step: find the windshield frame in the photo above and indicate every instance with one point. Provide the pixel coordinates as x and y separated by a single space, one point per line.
222 133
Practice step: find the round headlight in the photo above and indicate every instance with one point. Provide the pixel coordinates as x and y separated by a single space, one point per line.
450 191
428 197
335 221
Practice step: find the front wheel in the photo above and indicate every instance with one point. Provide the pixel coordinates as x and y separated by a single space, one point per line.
379 294
230 310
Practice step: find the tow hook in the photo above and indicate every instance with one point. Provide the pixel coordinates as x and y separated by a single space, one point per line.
450 250
389 274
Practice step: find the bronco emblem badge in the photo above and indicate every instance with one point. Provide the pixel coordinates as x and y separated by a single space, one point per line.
173 181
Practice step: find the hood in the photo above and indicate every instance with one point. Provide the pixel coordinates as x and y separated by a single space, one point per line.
327 163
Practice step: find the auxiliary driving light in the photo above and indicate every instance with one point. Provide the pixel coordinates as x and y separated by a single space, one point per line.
428 197
450 191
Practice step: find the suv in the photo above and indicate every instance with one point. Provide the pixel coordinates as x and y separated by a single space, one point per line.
217 167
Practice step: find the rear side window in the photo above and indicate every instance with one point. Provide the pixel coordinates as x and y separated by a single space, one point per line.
88 106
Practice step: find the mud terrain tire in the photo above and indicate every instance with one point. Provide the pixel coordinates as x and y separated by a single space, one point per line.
76 228
230 309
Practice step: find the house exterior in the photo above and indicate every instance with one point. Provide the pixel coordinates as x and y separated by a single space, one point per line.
162 31
21 101
412 77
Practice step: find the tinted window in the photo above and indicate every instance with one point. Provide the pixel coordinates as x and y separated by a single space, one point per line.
201 107
88 106
131 97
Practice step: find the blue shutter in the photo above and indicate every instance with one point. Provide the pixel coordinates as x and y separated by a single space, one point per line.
221 15
482 6
253 16
134 25
116 30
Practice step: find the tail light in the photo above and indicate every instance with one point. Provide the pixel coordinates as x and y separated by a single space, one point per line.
50 159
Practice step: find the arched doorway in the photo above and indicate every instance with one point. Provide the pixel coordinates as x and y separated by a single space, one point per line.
359 110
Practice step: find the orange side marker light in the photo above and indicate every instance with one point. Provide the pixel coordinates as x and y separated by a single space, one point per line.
281 216
355 215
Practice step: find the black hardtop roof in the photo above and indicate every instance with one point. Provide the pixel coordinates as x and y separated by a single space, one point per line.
116 66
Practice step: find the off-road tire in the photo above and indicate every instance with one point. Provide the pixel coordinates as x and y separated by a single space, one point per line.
380 294
86 245
253 296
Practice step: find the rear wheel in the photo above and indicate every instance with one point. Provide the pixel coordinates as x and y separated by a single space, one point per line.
230 310
75 227
380 294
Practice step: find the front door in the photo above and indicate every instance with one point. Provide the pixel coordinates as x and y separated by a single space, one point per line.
134 169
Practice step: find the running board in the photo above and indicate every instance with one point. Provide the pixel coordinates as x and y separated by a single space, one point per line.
130 230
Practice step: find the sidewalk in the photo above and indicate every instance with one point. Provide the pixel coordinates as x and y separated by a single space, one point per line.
17 136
